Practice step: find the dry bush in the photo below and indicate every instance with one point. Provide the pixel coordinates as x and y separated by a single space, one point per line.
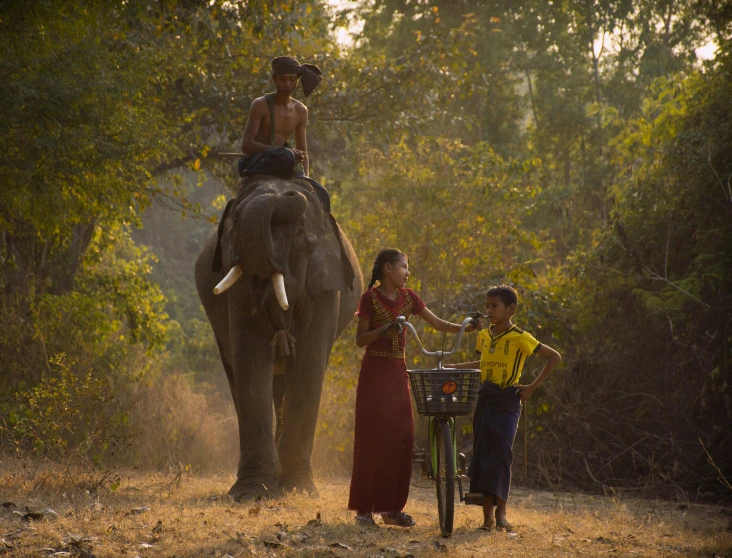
333 448
179 421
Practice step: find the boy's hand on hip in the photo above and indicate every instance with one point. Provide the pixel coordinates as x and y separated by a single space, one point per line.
524 392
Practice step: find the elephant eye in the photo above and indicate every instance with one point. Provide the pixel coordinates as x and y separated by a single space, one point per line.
300 231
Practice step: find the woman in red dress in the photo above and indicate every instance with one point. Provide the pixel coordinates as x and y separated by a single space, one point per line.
382 453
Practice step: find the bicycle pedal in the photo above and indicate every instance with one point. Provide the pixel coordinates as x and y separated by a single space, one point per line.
462 464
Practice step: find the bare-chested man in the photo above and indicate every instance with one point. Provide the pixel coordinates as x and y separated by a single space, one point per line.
272 120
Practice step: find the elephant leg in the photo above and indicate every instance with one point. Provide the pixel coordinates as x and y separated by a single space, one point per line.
279 383
227 368
258 472
302 397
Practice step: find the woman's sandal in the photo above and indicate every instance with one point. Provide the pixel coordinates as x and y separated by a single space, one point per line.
365 520
400 519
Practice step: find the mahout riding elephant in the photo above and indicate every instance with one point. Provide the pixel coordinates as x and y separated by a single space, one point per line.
275 319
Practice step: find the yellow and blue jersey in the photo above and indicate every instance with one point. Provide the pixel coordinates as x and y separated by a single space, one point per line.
502 356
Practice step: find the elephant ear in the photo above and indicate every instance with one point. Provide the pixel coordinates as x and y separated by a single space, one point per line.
332 265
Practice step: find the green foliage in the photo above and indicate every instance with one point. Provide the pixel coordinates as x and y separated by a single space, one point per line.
65 410
577 150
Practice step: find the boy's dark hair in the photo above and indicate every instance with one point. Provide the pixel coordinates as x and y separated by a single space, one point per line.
506 293
389 255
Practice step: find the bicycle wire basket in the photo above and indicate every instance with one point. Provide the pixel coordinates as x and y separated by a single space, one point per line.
450 392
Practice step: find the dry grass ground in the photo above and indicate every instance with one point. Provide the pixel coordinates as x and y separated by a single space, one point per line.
153 515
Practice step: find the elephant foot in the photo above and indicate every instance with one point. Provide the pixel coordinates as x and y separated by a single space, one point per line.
303 486
244 490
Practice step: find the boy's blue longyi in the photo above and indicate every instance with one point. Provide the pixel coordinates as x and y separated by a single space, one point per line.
495 423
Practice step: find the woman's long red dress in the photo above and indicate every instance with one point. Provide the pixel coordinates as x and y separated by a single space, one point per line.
382 453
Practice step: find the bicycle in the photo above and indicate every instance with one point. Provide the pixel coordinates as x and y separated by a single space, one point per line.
442 394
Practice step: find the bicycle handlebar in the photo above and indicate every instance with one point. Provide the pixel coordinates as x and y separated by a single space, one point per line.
402 321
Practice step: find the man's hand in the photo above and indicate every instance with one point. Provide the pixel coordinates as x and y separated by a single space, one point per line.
525 391
299 155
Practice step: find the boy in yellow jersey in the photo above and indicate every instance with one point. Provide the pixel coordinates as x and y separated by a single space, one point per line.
503 349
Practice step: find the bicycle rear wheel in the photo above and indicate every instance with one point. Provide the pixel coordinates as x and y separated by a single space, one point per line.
445 476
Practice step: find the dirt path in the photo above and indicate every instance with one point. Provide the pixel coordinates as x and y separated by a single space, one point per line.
147 515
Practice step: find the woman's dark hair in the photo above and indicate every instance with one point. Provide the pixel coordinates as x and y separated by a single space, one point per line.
390 255
507 294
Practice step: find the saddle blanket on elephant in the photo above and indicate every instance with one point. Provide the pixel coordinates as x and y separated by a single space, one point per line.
279 161
495 422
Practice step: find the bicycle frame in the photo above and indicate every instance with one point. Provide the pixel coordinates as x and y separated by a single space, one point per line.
433 436
443 456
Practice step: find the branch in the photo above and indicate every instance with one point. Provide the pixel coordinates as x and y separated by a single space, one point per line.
721 478
656 276
728 191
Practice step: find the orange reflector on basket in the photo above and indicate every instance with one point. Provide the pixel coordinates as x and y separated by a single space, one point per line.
449 386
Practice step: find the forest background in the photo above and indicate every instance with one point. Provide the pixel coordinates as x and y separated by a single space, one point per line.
578 150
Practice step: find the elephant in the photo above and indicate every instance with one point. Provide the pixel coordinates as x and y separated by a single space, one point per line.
293 292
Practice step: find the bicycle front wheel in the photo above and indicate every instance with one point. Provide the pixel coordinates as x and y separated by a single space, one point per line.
445 477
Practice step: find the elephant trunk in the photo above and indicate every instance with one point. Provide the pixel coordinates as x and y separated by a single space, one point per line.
260 252
289 207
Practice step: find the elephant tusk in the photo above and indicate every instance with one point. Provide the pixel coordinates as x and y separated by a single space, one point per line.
231 277
278 281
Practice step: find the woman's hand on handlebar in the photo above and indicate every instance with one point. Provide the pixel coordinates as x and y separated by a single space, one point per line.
391 330
474 326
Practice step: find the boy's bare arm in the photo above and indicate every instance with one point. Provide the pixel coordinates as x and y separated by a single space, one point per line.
469 365
553 358
301 141
249 144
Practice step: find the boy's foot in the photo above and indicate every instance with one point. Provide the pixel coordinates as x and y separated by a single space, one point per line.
503 525
486 527
365 520
400 519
